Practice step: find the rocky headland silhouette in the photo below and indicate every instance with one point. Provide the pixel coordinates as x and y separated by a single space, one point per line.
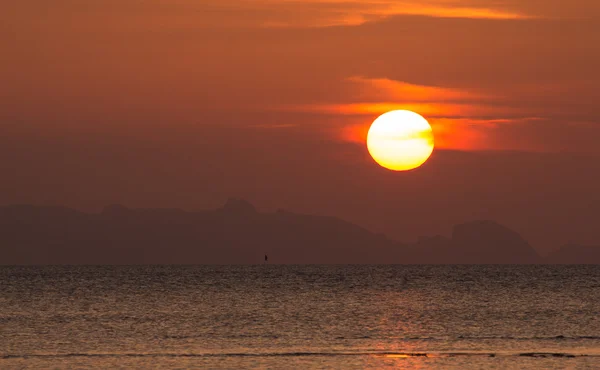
237 233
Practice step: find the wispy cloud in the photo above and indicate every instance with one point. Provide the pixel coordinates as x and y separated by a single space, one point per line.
273 126
352 13
461 118
473 134
373 96
219 14
384 88
449 11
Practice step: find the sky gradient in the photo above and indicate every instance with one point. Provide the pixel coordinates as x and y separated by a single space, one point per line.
183 103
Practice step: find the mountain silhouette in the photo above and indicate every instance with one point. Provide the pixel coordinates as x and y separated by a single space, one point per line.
236 233
485 242
575 254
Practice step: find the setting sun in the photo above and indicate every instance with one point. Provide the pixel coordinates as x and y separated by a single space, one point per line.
400 140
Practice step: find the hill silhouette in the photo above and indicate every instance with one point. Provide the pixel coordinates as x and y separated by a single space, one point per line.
575 254
234 234
485 242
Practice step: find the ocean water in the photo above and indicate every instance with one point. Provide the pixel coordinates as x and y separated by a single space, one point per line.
275 316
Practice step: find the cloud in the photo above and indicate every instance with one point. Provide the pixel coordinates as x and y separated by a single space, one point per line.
465 119
192 14
274 126
399 90
352 13
455 12
374 96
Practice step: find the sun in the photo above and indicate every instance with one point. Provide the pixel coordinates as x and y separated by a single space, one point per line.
400 140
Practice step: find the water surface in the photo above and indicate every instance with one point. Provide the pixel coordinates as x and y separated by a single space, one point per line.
300 316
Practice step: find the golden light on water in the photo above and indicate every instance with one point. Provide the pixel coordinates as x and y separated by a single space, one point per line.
400 140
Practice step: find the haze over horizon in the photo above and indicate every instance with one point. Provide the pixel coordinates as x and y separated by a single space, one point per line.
183 104
237 233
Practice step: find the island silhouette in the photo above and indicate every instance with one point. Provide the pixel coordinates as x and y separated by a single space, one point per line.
237 233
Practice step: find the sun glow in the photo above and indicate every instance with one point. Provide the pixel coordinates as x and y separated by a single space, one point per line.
400 140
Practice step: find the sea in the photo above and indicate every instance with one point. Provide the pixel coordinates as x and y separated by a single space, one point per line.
300 317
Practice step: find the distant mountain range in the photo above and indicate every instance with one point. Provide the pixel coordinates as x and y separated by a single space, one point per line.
237 234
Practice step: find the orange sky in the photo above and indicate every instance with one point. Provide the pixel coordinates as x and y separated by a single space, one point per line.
455 62
148 90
